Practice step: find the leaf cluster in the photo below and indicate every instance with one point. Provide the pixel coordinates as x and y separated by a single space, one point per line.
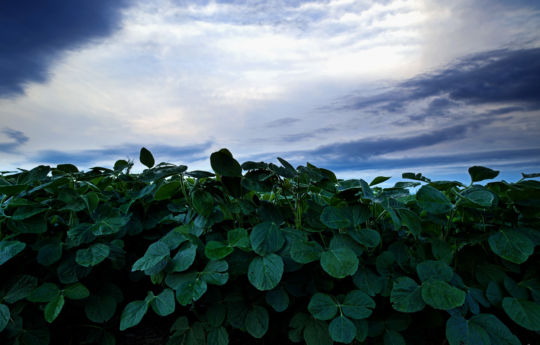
265 251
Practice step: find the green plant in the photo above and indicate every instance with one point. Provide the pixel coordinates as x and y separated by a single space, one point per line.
273 252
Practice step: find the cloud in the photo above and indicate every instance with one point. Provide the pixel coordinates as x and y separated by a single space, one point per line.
83 158
34 33
494 77
18 138
281 122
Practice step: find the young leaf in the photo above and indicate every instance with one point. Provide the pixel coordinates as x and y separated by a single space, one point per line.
146 158
511 245
322 306
342 330
264 272
479 173
92 255
524 313
53 308
440 295
340 262
4 316
9 249
257 321
133 314
164 303
406 296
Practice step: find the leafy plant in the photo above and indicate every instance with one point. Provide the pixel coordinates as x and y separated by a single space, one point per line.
259 250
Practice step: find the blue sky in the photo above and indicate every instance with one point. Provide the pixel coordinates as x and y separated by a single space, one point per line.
364 88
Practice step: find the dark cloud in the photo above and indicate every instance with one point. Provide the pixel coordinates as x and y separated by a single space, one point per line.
181 154
34 33
18 138
494 77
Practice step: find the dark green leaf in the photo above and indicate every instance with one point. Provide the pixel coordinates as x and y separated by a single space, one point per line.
511 245
357 305
8 249
440 295
316 333
266 238
379 179
167 190
191 290
406 296
339 263
392 337
265 272
146 158
367 237
493 293
224 164
257 321
411 221
44 293
184 258
432 200
305 251
218 336
238 238
156 252
92 255
203 202
49 254
215 272
53 308
277 299
322 306
133 314
4 316
497 331
100 308
76 291
524 313
216 250
342 330
21 289
164 303
434 269
479 173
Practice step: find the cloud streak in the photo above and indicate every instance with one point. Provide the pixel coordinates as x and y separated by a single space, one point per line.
18 139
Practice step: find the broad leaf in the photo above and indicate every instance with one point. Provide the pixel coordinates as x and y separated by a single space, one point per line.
266 238
277 299
4 316
49 254
53 308
133 314
184 258
9 249
524 313
392 337
406 296
357 305
92 255
367 237
146 158
218 336
156 252
340 262
305 251
76 291
215 272
164 303
257 321
342 330
100 308
440 295
432 200
434 269
264 272
322 306
511 245
479 173
224 164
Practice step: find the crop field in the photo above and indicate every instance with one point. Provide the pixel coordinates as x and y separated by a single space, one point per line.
259 253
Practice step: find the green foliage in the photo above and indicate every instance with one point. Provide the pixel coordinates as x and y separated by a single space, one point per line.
266 251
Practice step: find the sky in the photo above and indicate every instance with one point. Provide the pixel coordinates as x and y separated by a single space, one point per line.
364 88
